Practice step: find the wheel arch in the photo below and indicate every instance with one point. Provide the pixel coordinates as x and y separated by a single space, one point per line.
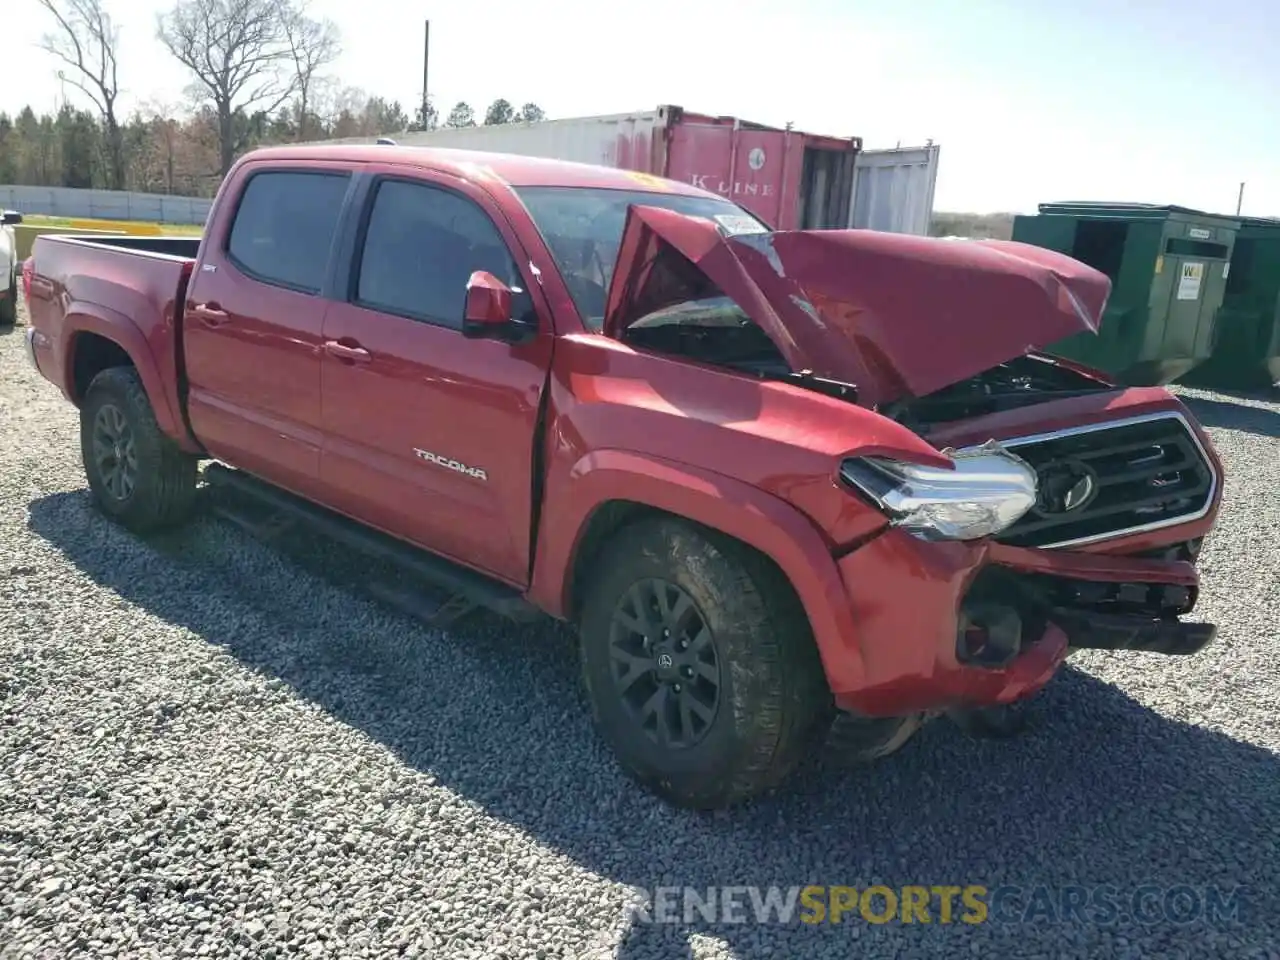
97 339
609 490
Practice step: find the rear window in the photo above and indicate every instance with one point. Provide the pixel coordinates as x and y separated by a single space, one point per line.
284 227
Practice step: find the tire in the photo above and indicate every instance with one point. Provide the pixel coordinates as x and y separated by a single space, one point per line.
163 487
772 697
9 304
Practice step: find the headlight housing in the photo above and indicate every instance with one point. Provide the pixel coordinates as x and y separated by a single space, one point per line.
988 491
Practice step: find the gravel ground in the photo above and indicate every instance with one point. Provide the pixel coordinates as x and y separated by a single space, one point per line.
210 750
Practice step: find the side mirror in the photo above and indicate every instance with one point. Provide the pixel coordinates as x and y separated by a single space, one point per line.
10 218
487 315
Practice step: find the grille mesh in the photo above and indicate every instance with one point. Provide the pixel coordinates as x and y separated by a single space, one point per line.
1119 478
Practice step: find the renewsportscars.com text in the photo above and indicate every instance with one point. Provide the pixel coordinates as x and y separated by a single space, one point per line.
942 904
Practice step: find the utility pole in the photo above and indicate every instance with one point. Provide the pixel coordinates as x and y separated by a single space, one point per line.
426 50
1240 200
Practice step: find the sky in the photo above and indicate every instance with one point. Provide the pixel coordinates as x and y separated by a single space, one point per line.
1160 101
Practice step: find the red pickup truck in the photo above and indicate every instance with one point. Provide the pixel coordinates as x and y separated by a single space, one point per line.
783 482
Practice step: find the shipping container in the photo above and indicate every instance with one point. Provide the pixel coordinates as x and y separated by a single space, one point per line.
893 189
789 178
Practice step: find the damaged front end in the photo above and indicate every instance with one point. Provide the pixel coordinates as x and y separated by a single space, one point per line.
1104 559
1060 511
1132 604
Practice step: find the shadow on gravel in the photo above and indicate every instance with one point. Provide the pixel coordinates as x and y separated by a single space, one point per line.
1105 792
1235 416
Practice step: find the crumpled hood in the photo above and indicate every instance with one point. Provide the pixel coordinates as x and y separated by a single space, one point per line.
895 315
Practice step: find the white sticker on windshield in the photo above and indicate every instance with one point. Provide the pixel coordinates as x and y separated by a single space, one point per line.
736 224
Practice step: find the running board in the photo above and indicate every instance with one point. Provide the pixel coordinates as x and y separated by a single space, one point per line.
466 589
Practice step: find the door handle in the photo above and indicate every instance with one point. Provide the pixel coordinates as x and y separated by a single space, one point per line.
345 353
210 314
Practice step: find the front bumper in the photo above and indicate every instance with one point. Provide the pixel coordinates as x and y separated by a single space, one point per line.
951 625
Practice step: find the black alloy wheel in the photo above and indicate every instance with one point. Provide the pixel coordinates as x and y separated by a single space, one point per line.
665 666
114 451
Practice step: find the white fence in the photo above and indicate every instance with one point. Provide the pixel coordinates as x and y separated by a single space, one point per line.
105 204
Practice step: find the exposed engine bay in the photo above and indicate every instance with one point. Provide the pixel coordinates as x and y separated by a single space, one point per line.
716 331
1020 382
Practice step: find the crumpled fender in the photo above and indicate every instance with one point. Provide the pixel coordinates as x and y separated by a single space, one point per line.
756 518
84 317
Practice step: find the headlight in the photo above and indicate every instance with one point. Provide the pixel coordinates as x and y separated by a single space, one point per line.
988 491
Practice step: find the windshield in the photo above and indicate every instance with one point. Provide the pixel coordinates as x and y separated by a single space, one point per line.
583 228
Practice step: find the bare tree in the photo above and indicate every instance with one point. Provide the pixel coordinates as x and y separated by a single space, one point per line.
238 53
86 41
313 45
163 132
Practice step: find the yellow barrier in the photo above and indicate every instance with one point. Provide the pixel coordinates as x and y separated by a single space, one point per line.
25 234
132 228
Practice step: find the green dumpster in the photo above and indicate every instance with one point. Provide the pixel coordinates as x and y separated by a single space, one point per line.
1246 355
1168 267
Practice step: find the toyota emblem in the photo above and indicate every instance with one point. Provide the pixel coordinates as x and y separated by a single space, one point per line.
1066 488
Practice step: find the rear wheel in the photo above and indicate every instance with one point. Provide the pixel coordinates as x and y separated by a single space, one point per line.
699 664
136 474
9 303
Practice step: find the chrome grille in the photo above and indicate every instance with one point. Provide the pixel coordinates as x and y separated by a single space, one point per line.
1109 480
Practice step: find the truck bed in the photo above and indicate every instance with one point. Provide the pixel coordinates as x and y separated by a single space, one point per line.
81 285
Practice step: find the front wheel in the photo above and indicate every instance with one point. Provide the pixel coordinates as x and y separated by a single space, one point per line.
136 474
699 664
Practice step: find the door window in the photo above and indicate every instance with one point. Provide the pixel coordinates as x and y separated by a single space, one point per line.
284 227
422 244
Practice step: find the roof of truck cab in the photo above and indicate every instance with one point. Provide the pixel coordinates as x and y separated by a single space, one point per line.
515 171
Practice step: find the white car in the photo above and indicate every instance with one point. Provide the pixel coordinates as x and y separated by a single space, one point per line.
8 268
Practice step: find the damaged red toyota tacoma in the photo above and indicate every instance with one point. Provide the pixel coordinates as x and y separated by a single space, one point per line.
786 484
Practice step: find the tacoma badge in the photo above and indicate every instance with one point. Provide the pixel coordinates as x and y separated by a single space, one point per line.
453 465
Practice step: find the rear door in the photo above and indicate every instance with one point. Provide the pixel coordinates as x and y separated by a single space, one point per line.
253 317
429 435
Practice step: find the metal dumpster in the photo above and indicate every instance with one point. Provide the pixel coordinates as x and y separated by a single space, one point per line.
1246 354
1168 267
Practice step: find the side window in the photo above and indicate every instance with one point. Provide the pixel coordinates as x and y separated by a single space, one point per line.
421 246
284 227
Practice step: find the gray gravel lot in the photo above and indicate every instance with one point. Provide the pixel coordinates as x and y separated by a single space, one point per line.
211 749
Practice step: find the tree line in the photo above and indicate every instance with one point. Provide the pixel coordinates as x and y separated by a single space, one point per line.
258 73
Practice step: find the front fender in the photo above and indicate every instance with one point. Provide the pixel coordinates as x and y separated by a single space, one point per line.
82 318
763 521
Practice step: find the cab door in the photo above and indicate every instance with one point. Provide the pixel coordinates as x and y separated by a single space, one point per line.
253 316
428 435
